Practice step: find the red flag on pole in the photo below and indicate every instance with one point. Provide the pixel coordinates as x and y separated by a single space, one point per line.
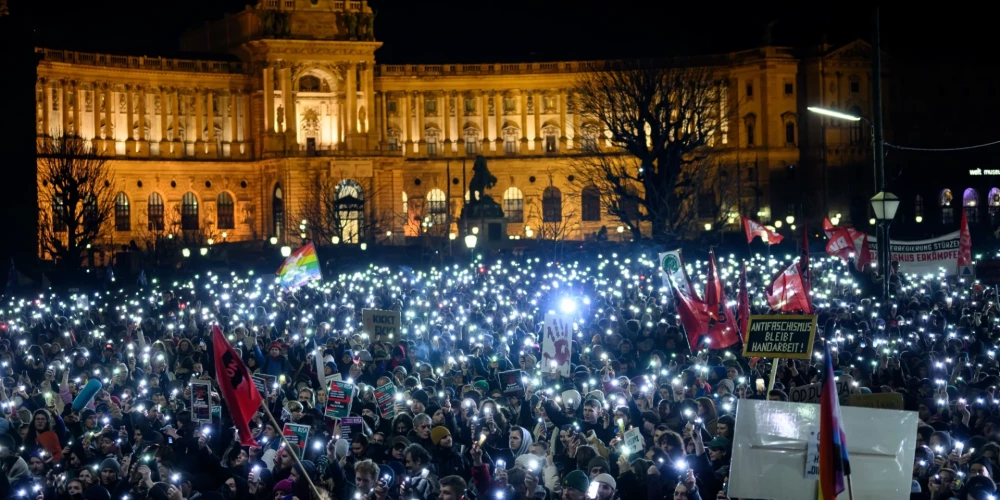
754 228
787 293
713 288
964 243
864 254
236 386
804 266
841 244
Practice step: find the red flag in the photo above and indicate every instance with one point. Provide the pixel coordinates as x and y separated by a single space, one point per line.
964 243
841 244
699 319
743 301
754 228
787 292
864 254
236 386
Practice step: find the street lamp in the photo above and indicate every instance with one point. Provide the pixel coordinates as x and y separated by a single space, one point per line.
186 252
885 205
790 219
274 240
335 239
203 251
470 241
286 251
364 246
835 114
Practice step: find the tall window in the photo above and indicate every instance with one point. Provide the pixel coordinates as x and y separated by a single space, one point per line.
856 134
437 206
551 205
393 138
947 211
510 136
226 211
154 212
189 212
789 133
471 141
513 205
350 210
590 209
970 202
122 213
58 215
278 211
432 137
588 137
90 215
550 134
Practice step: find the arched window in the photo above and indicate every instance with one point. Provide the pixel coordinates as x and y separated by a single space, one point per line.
513 205
58 215
122 212
588 137
994 202
308 83
189 212
551 205
437 206
947 211
278 211
91 218
350 210
970 202
225 211
471 141
590 209
154 212
432 137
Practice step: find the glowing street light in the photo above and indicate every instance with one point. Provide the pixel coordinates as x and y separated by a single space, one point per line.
834 114
203 251
186 252
471 239
286 251
274 240
790 219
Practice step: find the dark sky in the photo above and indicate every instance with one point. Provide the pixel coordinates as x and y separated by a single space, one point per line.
435 31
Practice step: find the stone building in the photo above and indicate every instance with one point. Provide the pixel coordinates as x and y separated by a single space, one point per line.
234 148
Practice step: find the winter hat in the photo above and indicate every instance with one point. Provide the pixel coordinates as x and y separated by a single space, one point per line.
96 492
598 461
606 479
728 384
576 480
50 442
274 345
110 463
571 399
284 486
438 433
595 394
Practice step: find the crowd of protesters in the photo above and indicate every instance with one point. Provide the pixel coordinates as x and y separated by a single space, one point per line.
455 432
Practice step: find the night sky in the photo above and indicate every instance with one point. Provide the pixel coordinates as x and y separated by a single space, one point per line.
440 31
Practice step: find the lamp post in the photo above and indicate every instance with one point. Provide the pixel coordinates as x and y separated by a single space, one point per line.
885 205
470 243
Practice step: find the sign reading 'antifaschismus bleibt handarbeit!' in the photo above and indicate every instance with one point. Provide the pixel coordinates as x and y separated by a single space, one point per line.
780 336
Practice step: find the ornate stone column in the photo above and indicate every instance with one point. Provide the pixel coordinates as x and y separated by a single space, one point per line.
199 125
384 124
129 115
421 132
291 118
211 147
498 122
407 137
176 98
576 123
484 113
245 138
268 100
460 122
234 122
77 126
352 99
446 113
164 107
46 107
538 121
562 120
524 121
141 125
64 107
95 106
109 102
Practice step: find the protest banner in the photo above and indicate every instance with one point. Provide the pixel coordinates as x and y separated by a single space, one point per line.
557 336
787 336
270 381
922 256
512 383
201 405
297 435
812 393
377 323
350 426
261 384
881 401
385 398
338 399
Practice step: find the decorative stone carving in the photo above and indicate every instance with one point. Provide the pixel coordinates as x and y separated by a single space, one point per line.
88 101
492 110
531 105
451 106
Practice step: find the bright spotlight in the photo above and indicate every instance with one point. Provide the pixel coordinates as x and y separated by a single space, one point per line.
567 305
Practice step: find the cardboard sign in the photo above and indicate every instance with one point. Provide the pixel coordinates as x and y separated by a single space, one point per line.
881 401
988 272
557 337
634 441
385 399
269 382
350 426
338 399
261 384
773 336
812 393
511 382
201 402
297 435
378 323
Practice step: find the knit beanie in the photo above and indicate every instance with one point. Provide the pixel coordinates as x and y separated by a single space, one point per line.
111 463
438 433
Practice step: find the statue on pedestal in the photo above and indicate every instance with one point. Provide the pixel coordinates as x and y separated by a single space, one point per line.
482 179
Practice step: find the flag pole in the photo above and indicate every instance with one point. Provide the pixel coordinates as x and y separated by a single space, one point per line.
278 428
850 488
774 374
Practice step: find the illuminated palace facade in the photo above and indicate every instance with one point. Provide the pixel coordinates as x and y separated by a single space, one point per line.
231 147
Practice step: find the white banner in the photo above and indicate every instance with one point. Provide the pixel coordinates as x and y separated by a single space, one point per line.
922 256
557 340
672 269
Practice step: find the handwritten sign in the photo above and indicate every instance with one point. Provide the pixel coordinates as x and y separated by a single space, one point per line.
557 339
785 336
633 440
378 323
812 393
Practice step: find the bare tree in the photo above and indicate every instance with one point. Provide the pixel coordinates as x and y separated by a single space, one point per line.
661 121
77 191
555 223
345 209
